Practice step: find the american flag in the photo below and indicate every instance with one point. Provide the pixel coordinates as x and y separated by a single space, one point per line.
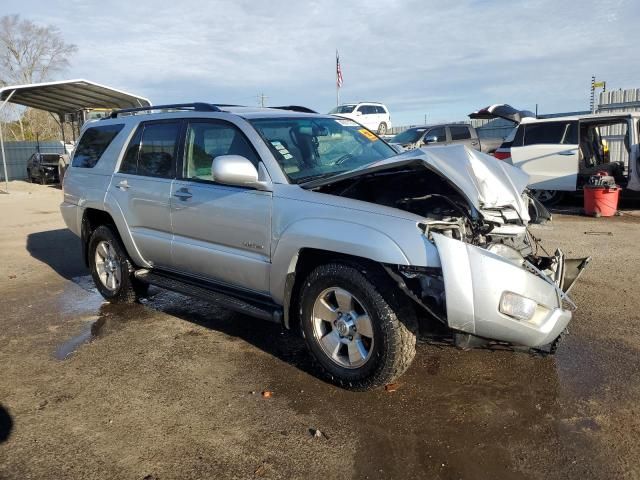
338 71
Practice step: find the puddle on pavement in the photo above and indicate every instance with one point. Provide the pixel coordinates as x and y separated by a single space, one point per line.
88 334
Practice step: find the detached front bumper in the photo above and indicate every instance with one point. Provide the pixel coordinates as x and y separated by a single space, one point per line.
475 280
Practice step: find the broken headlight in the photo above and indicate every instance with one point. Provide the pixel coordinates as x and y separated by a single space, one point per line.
517 306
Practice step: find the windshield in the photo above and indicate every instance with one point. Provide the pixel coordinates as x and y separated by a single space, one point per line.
343 109
310 148
408 136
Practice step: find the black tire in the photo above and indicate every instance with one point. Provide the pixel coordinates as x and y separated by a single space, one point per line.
43 180
393 323
548 197
382 128
29 177
129 289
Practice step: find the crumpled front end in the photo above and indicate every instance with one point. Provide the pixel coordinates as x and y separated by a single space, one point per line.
498 294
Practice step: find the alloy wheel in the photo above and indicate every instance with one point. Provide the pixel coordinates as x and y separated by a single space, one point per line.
342 328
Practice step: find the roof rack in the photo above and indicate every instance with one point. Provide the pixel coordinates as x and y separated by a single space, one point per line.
295 108
196 107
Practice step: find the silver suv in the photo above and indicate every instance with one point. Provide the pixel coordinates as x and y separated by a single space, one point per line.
313 221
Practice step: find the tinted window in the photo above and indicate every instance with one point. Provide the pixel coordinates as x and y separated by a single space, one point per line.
551 133
208 140
368 110
152 151
381 110
130 160
437 132
460 133
93 143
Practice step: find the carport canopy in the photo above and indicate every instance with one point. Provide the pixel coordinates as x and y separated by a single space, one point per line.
70 96
66 96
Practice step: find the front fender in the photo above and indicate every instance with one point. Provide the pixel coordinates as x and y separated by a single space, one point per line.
339 236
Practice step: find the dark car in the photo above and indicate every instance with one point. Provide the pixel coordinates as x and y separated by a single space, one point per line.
43 168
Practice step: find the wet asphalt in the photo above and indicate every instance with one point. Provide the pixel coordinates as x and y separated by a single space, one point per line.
173 387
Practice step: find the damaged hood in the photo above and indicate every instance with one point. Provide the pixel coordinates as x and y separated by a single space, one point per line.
487 183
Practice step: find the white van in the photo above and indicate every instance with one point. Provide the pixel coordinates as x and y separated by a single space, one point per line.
560 154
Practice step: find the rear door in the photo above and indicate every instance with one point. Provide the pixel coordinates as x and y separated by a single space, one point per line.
548 152
461 134
142 187
221 232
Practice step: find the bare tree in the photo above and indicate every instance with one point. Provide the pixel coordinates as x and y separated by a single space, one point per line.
31 53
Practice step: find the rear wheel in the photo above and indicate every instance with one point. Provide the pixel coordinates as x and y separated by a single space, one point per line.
111 268
548 197
359 337
382 128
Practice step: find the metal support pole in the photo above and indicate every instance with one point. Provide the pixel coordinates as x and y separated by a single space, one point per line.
4 159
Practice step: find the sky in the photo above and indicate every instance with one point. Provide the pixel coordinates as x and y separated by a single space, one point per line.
439 59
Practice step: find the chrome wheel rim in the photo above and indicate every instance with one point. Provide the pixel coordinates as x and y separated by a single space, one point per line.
108 266
342 328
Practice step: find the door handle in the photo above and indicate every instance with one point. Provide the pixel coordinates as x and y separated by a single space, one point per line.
567 152
123 185
183 194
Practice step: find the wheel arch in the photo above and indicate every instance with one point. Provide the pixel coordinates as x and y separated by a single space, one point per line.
303 263
92 218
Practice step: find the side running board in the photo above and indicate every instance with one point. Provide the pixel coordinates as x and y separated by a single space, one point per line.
210 292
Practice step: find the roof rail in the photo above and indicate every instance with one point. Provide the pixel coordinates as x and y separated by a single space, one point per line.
295 108
196 107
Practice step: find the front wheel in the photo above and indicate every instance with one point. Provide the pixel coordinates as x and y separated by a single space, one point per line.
111 269
360 337
548 197
382 129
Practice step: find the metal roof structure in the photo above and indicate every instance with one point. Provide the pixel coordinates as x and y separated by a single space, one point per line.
65 97
70 96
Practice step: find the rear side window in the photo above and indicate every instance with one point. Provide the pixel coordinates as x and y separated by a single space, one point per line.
380 109
459 133
561 133
93 143
152 151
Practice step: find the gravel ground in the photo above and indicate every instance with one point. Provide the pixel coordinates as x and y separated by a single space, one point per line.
171 388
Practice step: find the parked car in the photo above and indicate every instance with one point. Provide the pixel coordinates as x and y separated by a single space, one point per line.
560 154
444 134
312 221
374 116
43 168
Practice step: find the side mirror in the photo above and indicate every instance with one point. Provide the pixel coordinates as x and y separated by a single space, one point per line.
358 112
430 139
235 170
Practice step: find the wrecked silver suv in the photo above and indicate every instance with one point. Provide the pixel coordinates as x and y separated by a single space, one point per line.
314 222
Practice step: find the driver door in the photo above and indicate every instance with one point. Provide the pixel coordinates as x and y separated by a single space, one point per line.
220 232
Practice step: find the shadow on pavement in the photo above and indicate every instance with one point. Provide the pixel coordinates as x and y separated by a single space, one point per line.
6 424
60 249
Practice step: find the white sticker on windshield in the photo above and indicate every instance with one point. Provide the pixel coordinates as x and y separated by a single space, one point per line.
346 123
287 156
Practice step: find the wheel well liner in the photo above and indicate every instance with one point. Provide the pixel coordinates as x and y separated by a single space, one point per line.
92 219
307 260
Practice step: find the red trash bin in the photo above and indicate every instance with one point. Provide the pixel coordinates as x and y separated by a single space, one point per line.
601 201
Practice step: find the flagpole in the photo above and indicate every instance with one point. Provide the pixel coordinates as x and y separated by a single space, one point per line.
337 82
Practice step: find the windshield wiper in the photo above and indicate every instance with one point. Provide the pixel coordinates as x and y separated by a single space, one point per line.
319 176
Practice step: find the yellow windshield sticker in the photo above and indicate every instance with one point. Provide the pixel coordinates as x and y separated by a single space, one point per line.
368 134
